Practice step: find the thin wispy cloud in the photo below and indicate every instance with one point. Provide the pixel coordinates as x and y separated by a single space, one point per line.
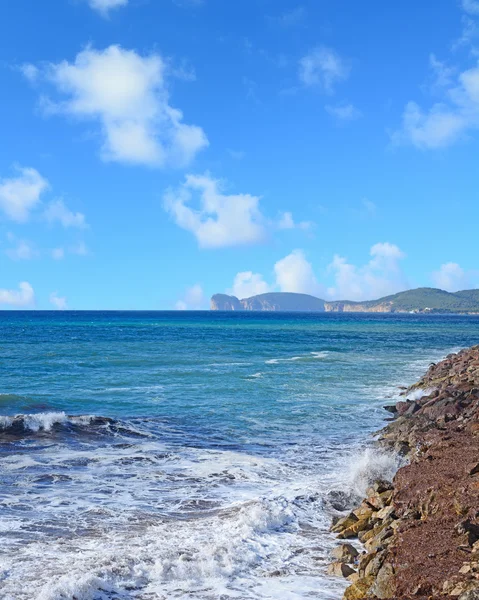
58 212
324 68
343 112
103 7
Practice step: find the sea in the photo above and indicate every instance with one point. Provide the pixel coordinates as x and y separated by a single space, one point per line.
194 455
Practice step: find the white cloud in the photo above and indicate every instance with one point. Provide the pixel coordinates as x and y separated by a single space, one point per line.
343 112
22 251
381 276
58 253
323 67
127 94
57 211
104 6
20 298
193 299
247 284
19 195
286 221
220 219
471 7
445 122
31 72
295 274
59 302
452 277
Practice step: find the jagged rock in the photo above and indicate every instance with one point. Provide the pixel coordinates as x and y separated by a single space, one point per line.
359 589
384 586
385 513
364 511
344 523
345 553
340 569
375 564
353 530
472 594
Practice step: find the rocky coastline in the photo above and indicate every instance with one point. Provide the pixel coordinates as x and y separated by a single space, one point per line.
420 532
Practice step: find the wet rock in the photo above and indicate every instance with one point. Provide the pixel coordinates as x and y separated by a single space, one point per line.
353 530
340 569
345 553
344 523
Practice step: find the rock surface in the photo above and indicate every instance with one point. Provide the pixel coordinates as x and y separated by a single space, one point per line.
421 534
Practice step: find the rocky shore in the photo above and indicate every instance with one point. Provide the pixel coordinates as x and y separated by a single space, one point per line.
420 532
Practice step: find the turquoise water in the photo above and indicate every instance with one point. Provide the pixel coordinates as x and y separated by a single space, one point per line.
224 434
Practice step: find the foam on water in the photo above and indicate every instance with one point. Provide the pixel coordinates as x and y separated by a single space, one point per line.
210 476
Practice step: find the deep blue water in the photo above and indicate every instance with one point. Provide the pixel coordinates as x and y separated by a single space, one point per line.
228 431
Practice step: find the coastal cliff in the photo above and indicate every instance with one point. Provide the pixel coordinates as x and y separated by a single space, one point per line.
421 532
281 301
421 300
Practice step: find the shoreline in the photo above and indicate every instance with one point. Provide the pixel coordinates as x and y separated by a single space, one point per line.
420 532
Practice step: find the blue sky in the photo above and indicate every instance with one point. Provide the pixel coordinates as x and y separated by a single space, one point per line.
155 152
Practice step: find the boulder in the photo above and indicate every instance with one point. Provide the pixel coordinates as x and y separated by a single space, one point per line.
340 569
359 589
345 553
384 586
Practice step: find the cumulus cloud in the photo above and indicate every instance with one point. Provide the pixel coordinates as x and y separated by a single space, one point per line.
247 284
104 6
445 122
323 67
59 302
21 298
20 194
452 277
343 112
219 219
192 300
286 221
295 274
381 276
126 93
56 211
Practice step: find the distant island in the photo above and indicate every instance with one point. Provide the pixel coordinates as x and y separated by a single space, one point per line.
420 300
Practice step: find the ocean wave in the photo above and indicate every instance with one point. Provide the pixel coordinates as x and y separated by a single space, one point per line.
56 422
309 356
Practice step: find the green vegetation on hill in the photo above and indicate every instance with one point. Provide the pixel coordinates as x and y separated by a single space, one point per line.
418 300
432 299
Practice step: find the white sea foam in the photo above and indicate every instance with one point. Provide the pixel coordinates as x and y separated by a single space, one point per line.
370 465
420 393
228 522
311 355
43 421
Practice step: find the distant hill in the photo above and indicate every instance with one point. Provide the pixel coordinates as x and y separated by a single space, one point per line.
275 301
421 300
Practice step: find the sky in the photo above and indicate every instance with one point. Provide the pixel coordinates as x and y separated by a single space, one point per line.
155 152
